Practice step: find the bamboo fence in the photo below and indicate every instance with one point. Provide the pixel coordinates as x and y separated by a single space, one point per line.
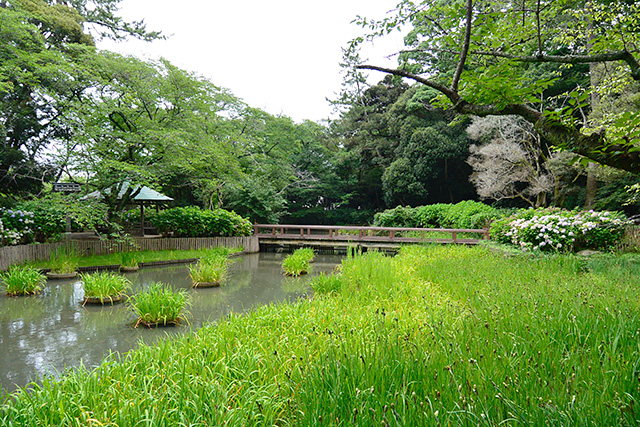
10 255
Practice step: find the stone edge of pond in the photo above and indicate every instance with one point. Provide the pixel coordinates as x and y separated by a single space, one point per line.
94 268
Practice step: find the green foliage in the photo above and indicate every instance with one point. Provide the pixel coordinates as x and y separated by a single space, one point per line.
50 214
129 259
159 305
525 57
256 200
196 222
466 214
63 261
326 284
212 268
295 264
307 253
400 216
554 229
16 227
104 285
399 149
410 339
143 256
23 281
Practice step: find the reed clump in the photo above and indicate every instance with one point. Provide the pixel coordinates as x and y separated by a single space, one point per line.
104 287
159 305
297 263
63 261
129 259
210 270
21 280
307 253
434 336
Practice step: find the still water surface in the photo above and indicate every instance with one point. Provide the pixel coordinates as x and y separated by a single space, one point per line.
50 332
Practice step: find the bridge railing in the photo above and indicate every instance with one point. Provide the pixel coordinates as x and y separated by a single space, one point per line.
368 234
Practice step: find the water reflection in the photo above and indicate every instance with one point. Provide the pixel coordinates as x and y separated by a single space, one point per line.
48 333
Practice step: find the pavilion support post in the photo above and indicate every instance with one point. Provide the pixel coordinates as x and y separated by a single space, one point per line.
142 218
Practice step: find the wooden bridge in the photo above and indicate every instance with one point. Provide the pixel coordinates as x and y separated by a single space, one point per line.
369 237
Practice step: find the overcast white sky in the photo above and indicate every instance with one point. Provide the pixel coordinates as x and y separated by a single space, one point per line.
281 55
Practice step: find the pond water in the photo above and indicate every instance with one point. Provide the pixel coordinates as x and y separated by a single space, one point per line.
47 333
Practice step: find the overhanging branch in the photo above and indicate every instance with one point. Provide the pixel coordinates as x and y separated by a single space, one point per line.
594 146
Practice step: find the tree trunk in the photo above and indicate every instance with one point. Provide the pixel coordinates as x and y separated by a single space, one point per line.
592 187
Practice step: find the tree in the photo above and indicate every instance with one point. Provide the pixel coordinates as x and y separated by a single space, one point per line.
140 124
45 52
41 52
479 68
400 149
512 164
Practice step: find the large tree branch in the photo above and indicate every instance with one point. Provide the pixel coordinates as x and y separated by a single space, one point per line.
449 93
594 146
465 47
624 56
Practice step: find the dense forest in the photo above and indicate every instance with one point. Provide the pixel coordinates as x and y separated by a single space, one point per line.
505 131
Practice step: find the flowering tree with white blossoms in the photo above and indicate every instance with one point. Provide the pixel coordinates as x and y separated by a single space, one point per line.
554 229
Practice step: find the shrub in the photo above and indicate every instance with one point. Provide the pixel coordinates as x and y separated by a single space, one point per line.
431 216
195 222
400 216
553 229
16 227
23 281
159 305
466 214
50 214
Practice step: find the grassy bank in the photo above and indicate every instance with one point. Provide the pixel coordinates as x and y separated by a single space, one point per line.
437 336
140 256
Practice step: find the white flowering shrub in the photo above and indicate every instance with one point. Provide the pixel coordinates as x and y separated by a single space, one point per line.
16 227
553 229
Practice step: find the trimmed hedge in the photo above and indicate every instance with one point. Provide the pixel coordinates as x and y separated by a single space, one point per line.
195 222
466 214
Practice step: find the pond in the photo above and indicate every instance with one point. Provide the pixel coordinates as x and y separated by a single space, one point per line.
50 332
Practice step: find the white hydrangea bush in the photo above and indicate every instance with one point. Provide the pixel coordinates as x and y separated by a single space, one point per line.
553 229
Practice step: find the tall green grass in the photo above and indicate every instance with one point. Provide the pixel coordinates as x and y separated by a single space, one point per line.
307 253
159 305
104 285
211 268
142 256
22 281
129 259
434 336
63 261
